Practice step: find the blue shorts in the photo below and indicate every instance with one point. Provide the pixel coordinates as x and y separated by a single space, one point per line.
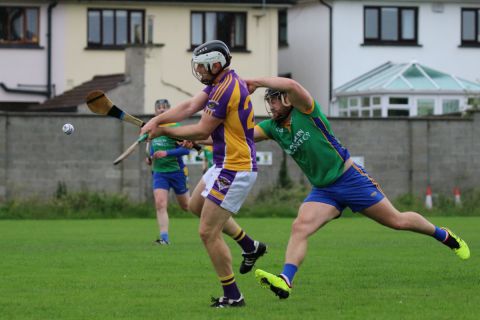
354 189
176 180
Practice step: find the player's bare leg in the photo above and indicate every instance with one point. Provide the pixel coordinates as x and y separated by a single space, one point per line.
212 221
385 213
183 200
311 217
161 204
252 250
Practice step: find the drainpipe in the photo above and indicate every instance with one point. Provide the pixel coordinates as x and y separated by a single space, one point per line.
49 49
48 92
330 58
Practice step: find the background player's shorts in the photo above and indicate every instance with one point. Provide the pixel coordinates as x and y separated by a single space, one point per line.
228 188
354 189
176 180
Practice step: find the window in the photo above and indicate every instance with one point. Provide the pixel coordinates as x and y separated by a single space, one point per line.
398 100
398 113
390 25
425 107
376 101
342 102
282 28
365 102
353 102
377 113
19 25
230 27
450 105
470 27
115 28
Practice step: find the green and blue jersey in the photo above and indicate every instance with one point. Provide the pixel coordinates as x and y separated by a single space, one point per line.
173 161
310 141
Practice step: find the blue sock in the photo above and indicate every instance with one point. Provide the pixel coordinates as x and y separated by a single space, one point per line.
164 236
289 271
440 234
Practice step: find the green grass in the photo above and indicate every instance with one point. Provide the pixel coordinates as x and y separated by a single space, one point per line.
108 269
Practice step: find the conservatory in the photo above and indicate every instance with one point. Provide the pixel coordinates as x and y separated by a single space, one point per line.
404 89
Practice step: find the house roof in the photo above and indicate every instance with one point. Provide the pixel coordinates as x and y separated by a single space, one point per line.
407 77
71 99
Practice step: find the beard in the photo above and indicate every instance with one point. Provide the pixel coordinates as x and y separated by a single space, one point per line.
282 116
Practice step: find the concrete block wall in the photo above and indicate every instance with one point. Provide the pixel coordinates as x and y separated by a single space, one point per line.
403 155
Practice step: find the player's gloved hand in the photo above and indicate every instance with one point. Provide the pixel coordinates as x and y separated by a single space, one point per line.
148 160
160 154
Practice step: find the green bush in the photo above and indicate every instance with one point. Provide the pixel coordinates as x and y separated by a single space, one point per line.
270 202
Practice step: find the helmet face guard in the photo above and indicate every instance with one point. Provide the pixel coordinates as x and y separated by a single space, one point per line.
273 94
207 55
161 105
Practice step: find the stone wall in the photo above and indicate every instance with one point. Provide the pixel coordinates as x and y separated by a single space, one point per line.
403 155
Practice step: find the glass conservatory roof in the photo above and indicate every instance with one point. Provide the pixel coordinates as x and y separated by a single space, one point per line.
401 77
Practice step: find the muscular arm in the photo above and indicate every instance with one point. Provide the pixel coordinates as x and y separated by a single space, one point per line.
180 112
194 132
258 134
297 95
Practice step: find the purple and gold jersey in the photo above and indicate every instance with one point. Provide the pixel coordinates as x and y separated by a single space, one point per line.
233 145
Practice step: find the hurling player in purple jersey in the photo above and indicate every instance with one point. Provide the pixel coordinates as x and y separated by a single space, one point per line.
228 119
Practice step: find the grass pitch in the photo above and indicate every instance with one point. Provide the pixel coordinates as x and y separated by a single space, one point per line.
355 269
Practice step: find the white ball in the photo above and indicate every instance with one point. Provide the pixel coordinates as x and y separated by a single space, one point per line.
68 128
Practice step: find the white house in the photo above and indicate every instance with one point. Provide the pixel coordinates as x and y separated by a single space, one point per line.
365 34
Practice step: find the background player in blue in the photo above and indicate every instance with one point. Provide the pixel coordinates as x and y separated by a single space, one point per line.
228 118
168 172
303 131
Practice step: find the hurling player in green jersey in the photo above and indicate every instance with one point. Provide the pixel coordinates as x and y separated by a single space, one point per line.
168 172
302 130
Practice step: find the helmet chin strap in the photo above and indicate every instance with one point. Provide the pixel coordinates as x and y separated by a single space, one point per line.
210 82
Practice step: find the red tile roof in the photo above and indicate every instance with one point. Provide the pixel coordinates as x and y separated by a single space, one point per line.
72 98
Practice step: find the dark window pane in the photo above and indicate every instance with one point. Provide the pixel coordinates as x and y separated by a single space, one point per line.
398 100
225 28
107 27
371 23
398 113
3 24
94 27
121 27
468 25
136 30
16 24
389 24
282 27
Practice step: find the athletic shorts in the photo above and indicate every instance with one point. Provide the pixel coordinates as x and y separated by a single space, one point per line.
176 180
354 189
228 188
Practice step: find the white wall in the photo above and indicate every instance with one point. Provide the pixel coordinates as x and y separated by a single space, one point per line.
306 57
439 37
25 66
